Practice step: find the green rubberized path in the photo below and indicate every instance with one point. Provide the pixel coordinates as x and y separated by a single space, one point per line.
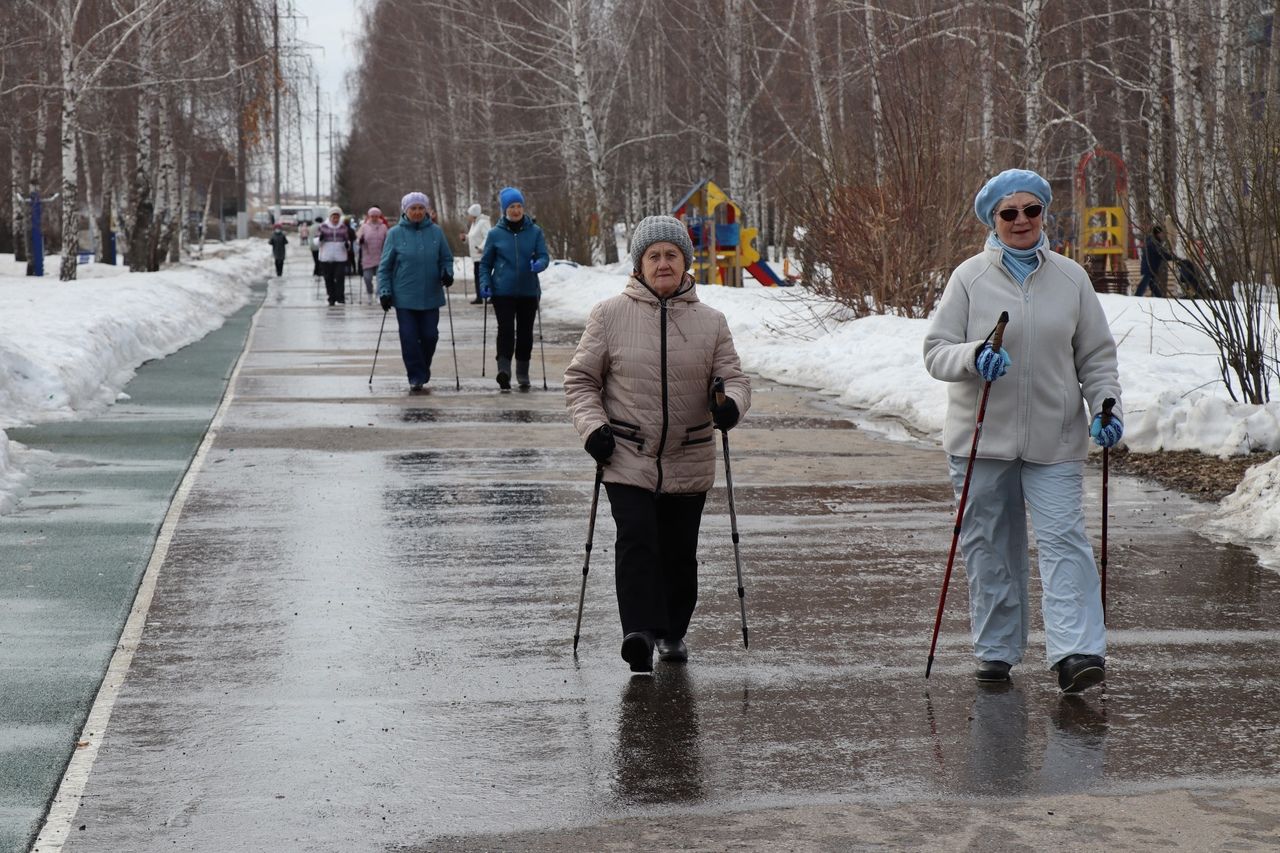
74 551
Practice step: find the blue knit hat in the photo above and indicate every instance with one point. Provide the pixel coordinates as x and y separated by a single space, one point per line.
414 198
1005 184
508 197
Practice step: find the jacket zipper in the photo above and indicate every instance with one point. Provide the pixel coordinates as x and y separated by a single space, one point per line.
662 337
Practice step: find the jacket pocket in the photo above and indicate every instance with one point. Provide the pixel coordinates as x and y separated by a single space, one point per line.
627 432
690 438
1070 395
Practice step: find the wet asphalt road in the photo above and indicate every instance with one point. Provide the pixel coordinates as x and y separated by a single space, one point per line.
361 640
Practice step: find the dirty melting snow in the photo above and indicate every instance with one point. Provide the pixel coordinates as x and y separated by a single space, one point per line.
66 350
1173 395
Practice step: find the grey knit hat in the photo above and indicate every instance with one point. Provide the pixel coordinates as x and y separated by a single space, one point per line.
660 229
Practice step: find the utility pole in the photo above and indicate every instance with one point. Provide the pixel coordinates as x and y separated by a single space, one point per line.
332 194
275 108
317 143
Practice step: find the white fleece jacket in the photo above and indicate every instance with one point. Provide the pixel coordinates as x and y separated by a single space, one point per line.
1060 346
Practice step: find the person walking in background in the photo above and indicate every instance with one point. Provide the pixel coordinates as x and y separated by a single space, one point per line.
316 269
638 389
1059 354
279 243
415 268
1155 253
333 255
515 251
475 236
304 234
370 237
350 222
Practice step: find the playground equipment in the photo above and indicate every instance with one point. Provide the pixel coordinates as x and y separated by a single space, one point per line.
1102 232
722 248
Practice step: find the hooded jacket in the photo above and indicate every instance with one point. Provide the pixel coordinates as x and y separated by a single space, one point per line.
506 264
644 366
1061 350
415 258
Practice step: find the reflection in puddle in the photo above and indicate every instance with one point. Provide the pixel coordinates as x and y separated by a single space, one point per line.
657 759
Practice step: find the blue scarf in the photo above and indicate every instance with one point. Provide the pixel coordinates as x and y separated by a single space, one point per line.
1019 262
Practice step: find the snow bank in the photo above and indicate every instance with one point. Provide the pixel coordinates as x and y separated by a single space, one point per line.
67 348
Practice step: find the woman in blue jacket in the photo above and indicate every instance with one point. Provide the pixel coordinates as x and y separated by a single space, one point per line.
415 269
514 253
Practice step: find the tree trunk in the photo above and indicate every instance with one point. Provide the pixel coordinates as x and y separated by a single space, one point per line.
70 163
877 109
143 202
1033 75
586 114
17 207
821 104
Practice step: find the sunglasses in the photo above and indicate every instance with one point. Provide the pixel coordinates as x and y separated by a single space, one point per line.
1011 213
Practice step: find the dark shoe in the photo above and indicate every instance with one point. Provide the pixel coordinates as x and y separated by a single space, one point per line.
418 388
522 375
637 650
992 670
1079 672
504 380
673 651
477 301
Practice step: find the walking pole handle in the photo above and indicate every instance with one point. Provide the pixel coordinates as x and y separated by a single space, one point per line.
1107 405
997 336
717 391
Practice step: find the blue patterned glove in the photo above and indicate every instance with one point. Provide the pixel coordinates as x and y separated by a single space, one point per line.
1105 436
536 265
991 364
486 292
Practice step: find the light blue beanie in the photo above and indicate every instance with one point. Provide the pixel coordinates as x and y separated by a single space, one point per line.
1007 183
508 197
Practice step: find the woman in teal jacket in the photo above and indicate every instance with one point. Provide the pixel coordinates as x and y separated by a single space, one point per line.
415 269
514 253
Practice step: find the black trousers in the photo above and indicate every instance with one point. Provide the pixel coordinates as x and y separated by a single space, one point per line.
335 280
515 316
656 558
315 259
279 267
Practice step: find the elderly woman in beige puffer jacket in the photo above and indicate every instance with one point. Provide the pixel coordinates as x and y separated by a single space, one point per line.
638 389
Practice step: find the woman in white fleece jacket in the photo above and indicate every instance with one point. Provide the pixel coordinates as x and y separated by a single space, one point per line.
1058 356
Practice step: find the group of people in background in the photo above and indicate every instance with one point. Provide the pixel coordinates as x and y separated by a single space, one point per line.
413 265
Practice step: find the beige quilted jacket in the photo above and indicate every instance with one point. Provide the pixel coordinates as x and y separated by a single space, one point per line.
644 366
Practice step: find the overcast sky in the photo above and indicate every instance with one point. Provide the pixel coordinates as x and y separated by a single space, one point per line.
328 30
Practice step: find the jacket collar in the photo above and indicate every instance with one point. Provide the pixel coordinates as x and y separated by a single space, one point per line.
406 222
641 292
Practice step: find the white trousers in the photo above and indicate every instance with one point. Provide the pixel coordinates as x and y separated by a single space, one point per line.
993 540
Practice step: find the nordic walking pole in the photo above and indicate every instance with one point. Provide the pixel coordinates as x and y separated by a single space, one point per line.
484 335
717 387
586 561
542 346
1107 404
378 347
457 383
997 338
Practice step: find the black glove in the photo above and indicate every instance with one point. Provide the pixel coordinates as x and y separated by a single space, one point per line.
600 445
386 302
725 414
446 280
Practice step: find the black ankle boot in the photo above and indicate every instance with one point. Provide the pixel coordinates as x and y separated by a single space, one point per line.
637 650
